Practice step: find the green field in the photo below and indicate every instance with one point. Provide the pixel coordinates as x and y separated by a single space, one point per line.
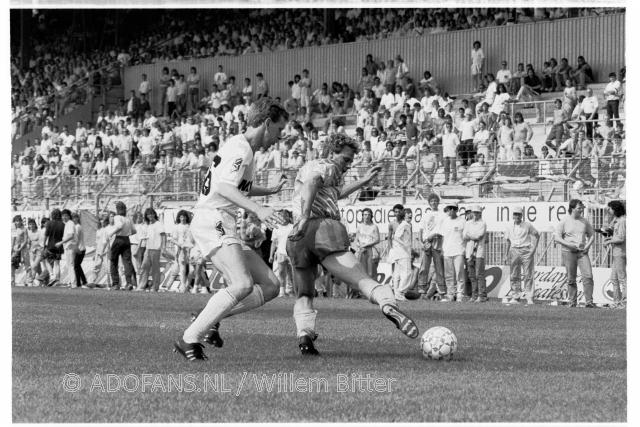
527 364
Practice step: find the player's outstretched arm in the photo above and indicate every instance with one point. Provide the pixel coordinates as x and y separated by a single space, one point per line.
265 214
354 186
257 191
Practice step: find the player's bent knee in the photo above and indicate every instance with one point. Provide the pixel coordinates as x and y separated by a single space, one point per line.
270 291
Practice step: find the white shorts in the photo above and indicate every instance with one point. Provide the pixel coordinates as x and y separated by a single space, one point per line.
212 228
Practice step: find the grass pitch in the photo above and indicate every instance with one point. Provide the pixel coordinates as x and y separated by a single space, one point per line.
527 364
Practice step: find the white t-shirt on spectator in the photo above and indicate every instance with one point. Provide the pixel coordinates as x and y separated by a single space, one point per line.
280 236
503 76
450 142
451 232
154 235
146 145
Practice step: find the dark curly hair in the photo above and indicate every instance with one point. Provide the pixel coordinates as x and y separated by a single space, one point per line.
618 208
263 109
338 141
186 214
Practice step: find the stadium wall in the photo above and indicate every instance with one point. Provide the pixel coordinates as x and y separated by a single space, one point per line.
601 40
80 113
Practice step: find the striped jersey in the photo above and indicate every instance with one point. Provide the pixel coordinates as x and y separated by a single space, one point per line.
325 204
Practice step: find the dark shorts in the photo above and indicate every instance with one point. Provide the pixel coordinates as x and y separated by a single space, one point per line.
52 254
323 237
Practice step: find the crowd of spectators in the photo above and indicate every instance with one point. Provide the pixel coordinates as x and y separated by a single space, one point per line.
412 128
58 74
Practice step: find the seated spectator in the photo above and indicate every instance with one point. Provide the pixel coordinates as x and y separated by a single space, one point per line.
503 75
477 171
582 73
562 72
482 139
517 79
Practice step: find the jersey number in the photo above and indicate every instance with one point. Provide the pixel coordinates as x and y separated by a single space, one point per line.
206 185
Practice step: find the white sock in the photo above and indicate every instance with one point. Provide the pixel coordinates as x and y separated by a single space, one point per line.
219 305
254 300
382 295
305 321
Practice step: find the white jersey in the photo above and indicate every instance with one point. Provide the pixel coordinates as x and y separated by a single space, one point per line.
234 164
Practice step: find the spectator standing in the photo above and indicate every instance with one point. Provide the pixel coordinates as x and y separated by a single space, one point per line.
181 93
193 83
183 242
367 237
101 254
522 132
589 108
278 255
172 98
81 250
137 246
576 235
432 250
474 234
305 90
453 250
522 241
155 243
220 78
400 255
165 79
477 65
467 132
557 131
145 87
262 88
450 143
69 245
121 247
612 94
35 249
618 243
402 72
19 247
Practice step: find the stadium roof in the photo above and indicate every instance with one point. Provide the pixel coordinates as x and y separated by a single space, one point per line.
315 3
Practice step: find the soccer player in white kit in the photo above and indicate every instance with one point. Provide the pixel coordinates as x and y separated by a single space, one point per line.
226 187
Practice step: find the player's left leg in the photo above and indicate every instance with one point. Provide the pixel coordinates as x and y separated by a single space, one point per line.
345 267
266 284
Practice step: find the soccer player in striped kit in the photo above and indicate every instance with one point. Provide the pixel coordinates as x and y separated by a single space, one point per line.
318 237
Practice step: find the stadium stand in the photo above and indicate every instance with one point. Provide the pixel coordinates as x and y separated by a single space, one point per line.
66 164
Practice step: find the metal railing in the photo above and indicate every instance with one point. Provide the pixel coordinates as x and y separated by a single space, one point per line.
534 179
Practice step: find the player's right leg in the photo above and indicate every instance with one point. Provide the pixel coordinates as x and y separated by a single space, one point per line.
303 313
346 268
232 264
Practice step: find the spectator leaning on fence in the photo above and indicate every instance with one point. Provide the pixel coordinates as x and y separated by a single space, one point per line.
522 241
576 235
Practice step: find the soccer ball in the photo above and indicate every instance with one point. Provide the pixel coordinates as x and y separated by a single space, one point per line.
438 343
